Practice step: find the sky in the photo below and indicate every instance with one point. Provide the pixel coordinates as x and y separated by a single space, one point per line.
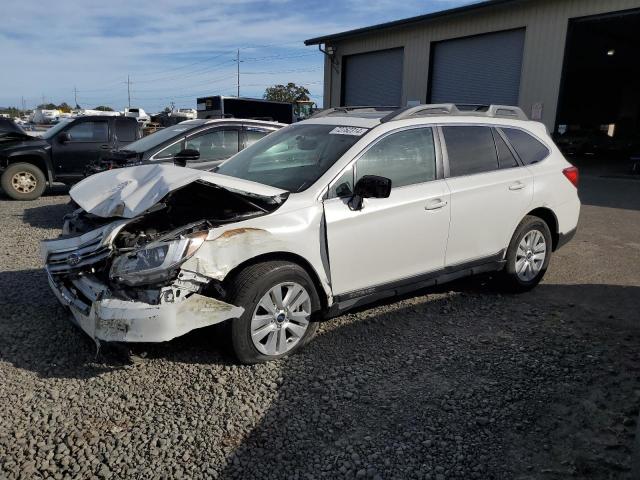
173 51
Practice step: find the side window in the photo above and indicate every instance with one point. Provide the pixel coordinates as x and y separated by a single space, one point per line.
528 148
407 157
470 150
505 157
215 144
170 151
254 134
125 130
343 186
89 132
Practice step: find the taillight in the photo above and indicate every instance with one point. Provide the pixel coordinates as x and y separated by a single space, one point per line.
572 175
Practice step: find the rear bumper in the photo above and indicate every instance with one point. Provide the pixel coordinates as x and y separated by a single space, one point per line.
116 320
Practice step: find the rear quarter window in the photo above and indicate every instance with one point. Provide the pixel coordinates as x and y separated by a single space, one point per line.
529 149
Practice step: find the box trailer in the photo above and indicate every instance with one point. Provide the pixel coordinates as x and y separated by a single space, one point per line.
239 107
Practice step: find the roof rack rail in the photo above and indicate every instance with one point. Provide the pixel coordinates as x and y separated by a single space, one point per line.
506 111
330 111
500 111
429 109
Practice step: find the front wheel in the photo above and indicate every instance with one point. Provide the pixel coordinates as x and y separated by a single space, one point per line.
278 299
528 255
23 181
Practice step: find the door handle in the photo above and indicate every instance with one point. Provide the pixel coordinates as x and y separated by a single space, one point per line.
517 186
104 147
436 205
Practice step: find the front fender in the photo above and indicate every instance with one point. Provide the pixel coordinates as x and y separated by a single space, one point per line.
36 156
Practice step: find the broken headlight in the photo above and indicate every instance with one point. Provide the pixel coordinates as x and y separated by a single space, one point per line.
155 262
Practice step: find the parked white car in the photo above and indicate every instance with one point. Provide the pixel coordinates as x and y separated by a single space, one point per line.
319 217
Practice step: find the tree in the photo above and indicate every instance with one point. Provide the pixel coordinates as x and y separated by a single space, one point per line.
64 107
47 106
286 93
102 108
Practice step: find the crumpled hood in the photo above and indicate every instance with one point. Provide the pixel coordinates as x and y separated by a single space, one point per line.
128 192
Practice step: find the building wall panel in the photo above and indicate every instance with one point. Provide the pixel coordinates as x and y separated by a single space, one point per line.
546 23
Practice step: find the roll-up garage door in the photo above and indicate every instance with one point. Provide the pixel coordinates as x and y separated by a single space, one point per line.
373 78
484 69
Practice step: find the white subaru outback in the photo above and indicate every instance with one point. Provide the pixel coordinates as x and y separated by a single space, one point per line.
321 216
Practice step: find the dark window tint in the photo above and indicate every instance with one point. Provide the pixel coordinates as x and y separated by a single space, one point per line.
126 130
406 157
528 148
89 132
470 150
505 157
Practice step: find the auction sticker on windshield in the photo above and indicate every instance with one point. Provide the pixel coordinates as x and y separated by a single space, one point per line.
357 131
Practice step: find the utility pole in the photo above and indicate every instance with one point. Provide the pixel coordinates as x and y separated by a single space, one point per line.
24 104
238 62
75 96
43 99
129 90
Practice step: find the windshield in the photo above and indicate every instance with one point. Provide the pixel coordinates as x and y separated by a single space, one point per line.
294 157
53 131
156 138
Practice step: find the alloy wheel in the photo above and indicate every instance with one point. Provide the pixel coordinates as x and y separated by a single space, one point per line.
281 318
24 182
530 256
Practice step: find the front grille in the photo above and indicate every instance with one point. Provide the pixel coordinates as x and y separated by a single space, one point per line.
78 259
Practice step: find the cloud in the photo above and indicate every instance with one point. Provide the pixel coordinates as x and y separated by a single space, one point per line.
173 50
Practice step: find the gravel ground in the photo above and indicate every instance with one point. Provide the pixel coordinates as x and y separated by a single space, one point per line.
460 382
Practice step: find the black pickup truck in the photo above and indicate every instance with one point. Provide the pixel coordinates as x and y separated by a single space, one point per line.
28 164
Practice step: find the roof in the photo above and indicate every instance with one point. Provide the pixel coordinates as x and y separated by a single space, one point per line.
369 117
408 21
202 121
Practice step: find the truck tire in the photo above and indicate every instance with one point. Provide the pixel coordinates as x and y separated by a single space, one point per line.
23 181
278 298
528 255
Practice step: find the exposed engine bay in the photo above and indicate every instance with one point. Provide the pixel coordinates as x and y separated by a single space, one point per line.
145 254
135 264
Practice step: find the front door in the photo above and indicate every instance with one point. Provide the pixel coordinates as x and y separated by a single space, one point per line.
215 145
395 238
87 140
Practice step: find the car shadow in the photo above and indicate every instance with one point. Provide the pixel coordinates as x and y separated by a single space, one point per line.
47 216
467 385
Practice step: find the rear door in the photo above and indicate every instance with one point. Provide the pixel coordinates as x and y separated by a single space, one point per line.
395 238
490 192
214 144
88 139
126 131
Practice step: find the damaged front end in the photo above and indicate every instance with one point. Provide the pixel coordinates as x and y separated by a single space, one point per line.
125 280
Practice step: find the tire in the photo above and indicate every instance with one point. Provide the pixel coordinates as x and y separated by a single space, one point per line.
525 267
30 187
278 333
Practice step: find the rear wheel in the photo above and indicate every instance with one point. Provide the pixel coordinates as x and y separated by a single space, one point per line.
23 181
278 299
528 255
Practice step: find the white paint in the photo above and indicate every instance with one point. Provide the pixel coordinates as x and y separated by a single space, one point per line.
418 229
127 192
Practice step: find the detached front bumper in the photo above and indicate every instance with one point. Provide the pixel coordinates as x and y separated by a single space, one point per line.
116 320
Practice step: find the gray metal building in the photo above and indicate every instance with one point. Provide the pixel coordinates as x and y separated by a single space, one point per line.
565 62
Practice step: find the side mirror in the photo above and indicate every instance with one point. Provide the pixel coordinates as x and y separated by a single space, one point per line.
64 137
369 186
188 155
